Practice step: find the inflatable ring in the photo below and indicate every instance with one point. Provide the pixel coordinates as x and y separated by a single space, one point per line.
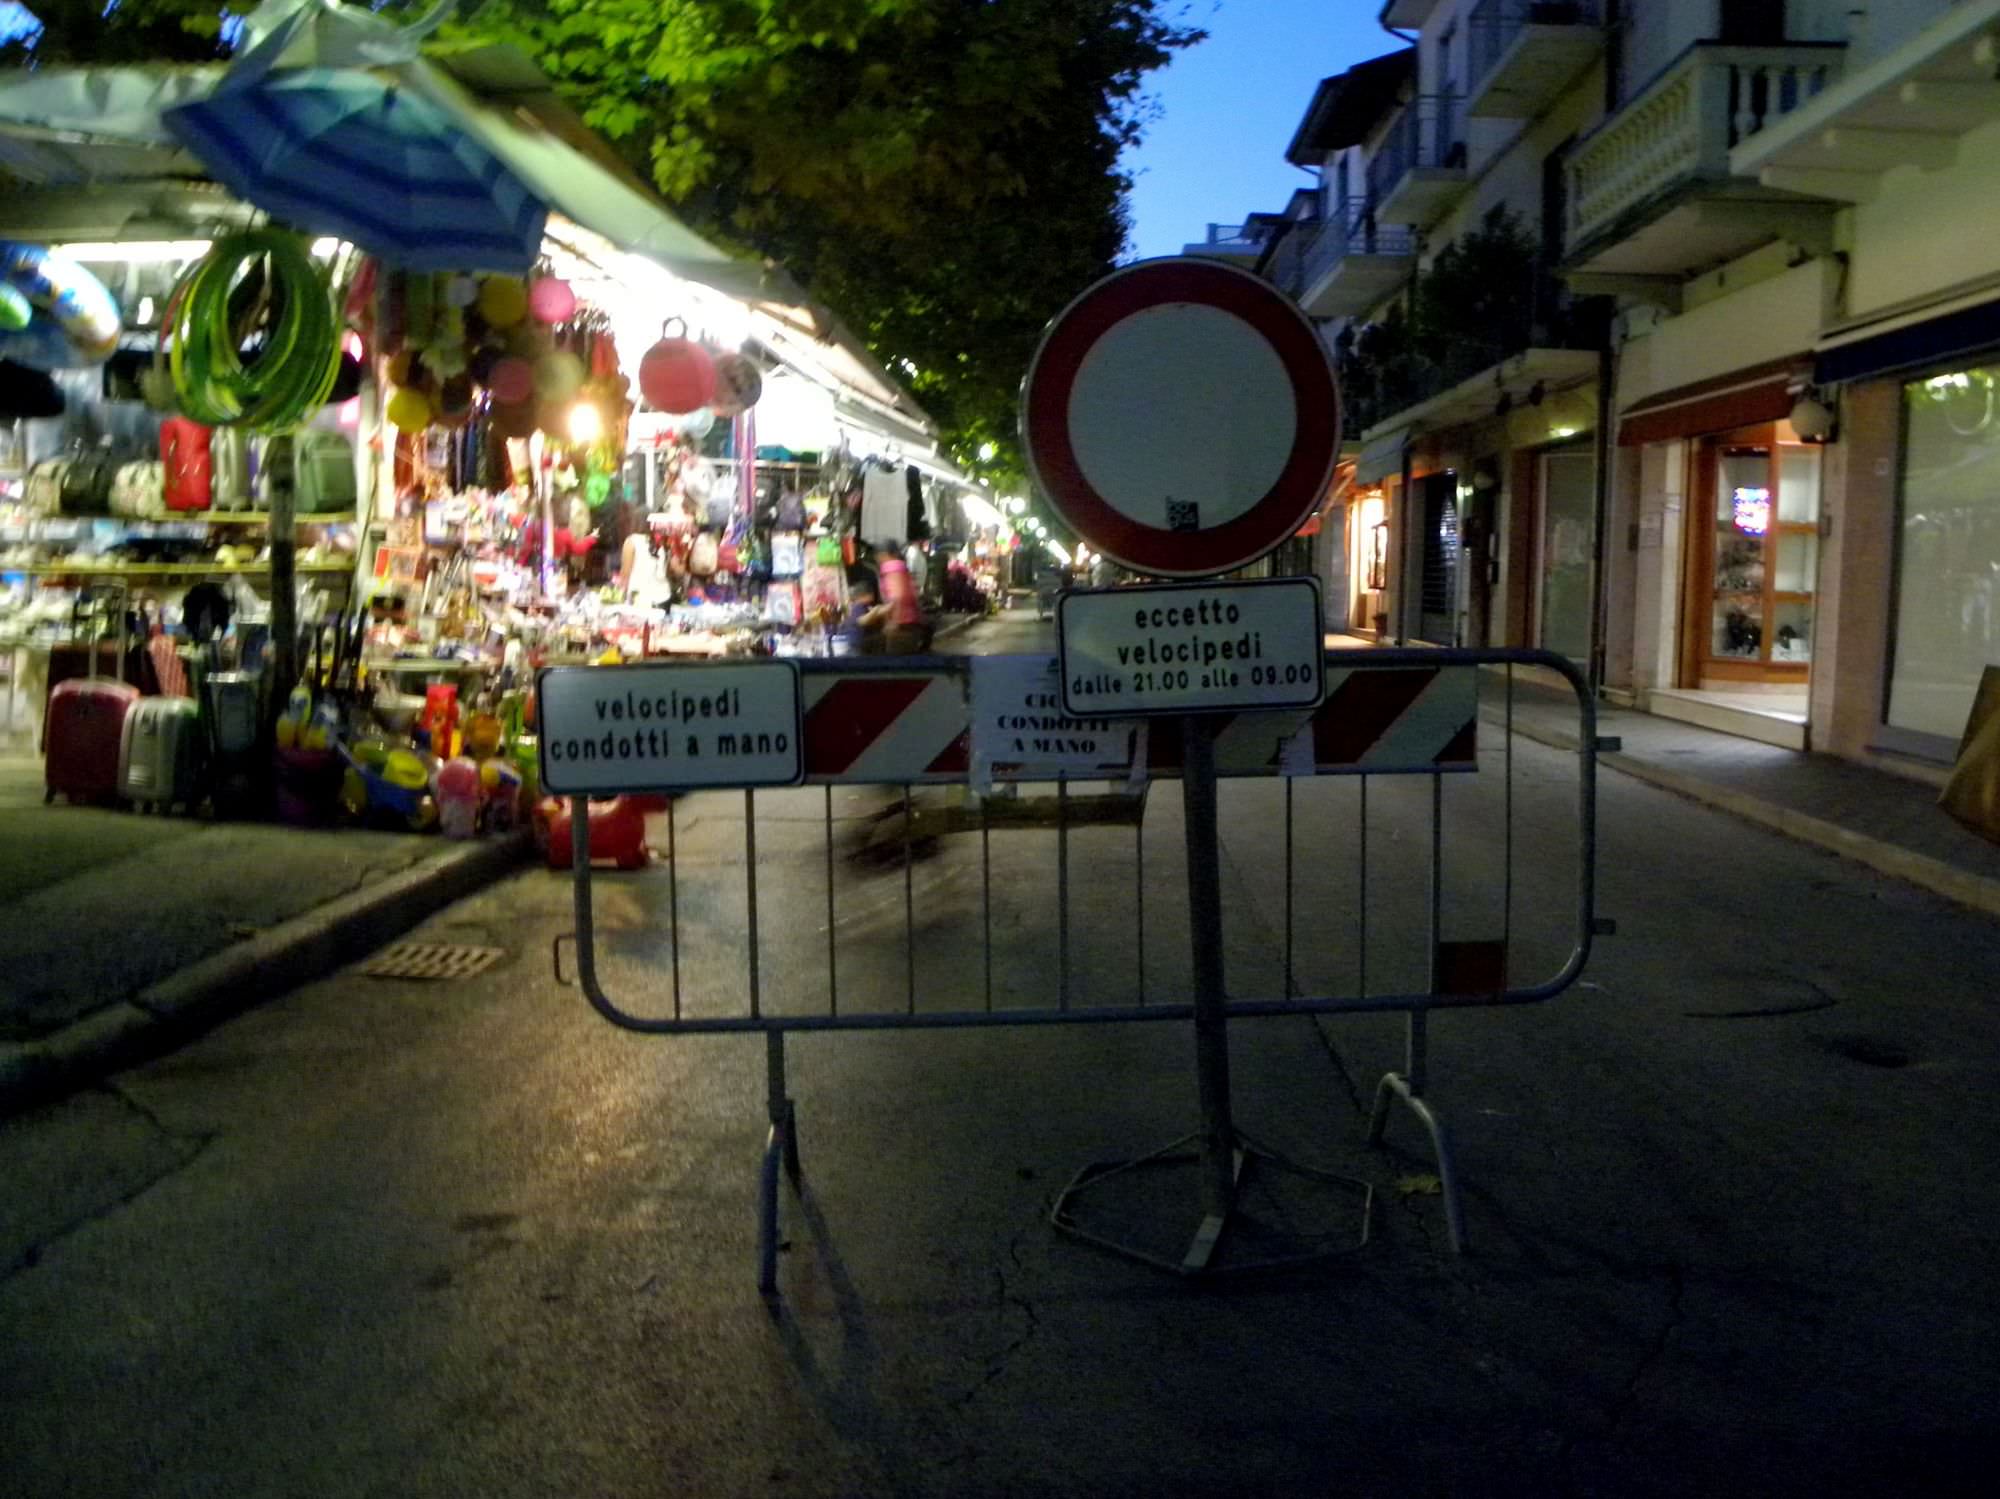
76 322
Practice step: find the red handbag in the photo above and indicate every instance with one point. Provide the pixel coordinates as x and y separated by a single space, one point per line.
184 452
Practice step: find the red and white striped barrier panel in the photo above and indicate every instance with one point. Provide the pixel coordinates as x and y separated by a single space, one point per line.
1375 720
915 727
886 728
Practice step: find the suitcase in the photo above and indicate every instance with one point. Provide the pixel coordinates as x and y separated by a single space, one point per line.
228 469
323 472
83 733
160 754
232 704
187 467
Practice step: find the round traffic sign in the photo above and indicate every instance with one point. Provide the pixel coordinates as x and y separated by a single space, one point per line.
1182 416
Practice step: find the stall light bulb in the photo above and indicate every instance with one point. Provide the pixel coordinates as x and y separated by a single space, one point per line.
325 248
986 452
586 424
349 414
1017 506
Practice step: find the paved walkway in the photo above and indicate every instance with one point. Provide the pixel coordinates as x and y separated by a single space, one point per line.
1887 821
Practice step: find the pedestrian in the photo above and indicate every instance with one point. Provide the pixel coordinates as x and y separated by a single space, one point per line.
905 631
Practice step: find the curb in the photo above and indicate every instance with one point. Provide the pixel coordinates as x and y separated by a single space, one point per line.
1979 892
307 947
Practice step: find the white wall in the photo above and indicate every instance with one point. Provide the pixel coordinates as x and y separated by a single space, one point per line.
1658 31
1774 317
1926 230
1881 25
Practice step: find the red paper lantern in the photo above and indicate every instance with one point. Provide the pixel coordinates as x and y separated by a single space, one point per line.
677 373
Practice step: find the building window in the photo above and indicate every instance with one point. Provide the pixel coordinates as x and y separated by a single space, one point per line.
1948 550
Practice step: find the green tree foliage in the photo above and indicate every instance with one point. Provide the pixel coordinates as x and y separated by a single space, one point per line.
942 173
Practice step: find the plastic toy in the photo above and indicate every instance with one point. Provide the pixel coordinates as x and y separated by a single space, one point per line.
385 785
617 829
440 717
74 322
458 798
500 795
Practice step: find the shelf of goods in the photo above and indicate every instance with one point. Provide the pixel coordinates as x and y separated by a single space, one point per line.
171 569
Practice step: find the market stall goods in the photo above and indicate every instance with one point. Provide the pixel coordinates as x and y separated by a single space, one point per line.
71 321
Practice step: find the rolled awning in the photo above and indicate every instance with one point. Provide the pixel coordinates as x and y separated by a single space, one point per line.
1746 399
1935 336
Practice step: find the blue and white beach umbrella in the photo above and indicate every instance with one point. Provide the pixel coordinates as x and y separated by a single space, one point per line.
341 151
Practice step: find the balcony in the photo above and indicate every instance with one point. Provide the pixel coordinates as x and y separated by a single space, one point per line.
1239 244
1911 107
1526 52
1650 191
1419 169
1353 262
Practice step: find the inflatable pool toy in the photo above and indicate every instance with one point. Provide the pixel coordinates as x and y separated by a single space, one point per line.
73 321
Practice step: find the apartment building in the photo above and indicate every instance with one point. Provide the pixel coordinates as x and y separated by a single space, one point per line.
1432 245
1669 335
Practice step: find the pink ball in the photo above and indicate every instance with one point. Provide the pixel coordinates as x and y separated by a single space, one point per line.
677 375
513 381
551 300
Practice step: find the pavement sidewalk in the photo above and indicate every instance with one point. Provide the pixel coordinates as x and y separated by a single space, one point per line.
121 935
1889 822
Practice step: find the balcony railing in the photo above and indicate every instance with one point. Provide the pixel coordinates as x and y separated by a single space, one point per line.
1679 130
1286 267
1496 24
1522 53
1355 230
1391 366
1426 137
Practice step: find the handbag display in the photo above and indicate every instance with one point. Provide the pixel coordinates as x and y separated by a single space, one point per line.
139 490
228 469
325 482
43 492
788 554
86 483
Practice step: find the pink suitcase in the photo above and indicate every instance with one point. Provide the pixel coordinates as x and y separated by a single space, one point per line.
83 733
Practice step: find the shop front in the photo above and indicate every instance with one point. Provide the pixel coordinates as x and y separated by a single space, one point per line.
1728 531
313 515
1919 570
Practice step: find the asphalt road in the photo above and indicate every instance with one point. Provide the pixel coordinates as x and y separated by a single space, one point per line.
1729 1199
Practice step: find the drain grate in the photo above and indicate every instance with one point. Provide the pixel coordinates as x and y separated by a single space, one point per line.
431 960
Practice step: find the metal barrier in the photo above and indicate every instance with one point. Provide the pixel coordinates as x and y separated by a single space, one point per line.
1319 752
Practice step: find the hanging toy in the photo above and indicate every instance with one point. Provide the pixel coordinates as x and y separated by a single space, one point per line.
409 409
78 324
15 308
677 374
502 301
550 300
559 376
461 292
738 384
513 381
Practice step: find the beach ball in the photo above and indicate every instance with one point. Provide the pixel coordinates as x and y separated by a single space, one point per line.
551 300
677 374
513 381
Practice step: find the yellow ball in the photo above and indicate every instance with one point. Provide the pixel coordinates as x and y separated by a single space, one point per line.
503 301
409 410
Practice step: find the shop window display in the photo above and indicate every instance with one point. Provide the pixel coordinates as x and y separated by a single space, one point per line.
1948 551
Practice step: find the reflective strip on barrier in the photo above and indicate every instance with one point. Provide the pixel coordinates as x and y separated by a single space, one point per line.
886 728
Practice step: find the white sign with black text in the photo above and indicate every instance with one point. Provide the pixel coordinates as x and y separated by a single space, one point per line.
1020 732
1192 648
606 729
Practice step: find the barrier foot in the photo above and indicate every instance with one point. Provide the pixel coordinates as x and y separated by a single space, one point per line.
1205 1252
1395 1086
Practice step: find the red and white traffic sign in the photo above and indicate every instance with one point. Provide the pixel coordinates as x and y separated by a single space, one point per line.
1182 416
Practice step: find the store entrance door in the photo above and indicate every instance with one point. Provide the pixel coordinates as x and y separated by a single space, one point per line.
1437 621
1568 497
1752 575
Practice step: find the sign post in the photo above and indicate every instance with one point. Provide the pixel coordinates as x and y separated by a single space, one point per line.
1183 418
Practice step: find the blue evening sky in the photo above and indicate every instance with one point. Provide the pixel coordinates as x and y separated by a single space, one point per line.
1217 154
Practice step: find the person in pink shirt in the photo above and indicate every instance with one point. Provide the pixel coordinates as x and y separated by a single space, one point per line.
905 632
